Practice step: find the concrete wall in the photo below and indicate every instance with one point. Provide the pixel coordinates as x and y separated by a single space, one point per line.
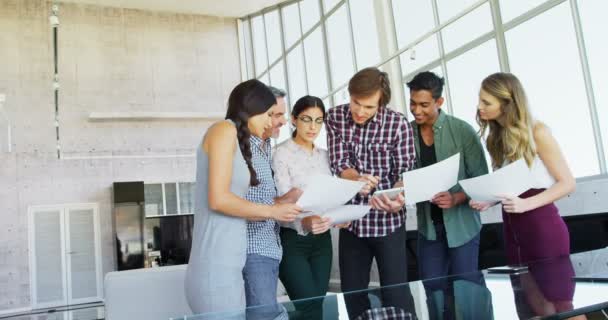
110 60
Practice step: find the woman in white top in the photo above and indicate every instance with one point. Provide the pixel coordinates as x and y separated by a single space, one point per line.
533 228
307 249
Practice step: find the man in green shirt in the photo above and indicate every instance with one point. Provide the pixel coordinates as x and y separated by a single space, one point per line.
448 229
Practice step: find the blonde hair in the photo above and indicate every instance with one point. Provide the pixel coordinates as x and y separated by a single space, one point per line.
510 136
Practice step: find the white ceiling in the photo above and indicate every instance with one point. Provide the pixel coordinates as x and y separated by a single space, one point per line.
220 8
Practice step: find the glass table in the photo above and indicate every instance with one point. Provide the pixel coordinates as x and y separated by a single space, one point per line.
574 286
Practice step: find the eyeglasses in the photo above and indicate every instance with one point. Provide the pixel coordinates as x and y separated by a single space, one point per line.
307 119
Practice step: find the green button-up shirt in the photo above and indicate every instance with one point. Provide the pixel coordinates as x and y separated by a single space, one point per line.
452 136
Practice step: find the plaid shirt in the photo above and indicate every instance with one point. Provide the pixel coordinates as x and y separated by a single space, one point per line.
263 236
382 147
385 313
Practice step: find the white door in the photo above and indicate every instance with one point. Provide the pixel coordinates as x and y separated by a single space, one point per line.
47 256
74 254
83 254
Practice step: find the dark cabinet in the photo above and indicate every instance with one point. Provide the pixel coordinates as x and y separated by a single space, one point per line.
146 242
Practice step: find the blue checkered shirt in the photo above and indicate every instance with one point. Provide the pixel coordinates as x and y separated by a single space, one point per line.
263 236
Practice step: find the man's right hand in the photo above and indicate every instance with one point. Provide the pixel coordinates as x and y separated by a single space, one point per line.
371 182
284 212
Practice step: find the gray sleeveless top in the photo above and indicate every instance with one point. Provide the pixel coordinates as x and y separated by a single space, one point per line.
214 280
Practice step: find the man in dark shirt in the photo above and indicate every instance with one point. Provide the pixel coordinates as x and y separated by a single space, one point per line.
448 229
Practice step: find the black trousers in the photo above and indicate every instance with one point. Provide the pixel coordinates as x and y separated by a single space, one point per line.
355 257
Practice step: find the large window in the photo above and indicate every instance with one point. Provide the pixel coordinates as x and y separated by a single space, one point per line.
245 43
295 69
310 14
543 54
465 81
450 8
291 24
420 55
512 8
259 45
339 42
329 4
327 41
467 28
277 76
273 36
315 68
413 18
365 31
595 24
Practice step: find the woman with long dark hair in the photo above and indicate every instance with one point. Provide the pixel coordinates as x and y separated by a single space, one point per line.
214 279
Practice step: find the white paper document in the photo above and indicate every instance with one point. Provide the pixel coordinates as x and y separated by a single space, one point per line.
422 184
513 179
325 195
324 192
346 213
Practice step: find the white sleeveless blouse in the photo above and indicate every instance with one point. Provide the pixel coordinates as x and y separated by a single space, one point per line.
542 178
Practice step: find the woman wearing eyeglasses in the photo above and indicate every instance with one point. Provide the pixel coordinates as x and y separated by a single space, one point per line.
307 249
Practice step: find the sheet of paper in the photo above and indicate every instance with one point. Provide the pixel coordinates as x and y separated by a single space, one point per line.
346 213
513 179
422 184
324 192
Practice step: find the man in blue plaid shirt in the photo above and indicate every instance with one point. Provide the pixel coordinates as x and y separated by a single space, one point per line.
264 252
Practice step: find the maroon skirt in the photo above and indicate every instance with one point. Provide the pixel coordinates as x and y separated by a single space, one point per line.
536 234
539 238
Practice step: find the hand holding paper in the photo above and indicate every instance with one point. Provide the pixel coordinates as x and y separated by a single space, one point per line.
444 200
316 224
514 204
482 205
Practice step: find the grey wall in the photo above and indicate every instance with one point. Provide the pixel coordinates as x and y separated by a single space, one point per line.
111 60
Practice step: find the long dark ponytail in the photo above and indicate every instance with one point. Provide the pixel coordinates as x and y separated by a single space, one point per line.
304 103
246 100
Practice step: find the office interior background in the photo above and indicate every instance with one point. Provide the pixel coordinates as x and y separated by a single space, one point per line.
94 93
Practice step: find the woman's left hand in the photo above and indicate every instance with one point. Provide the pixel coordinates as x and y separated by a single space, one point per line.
514 204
